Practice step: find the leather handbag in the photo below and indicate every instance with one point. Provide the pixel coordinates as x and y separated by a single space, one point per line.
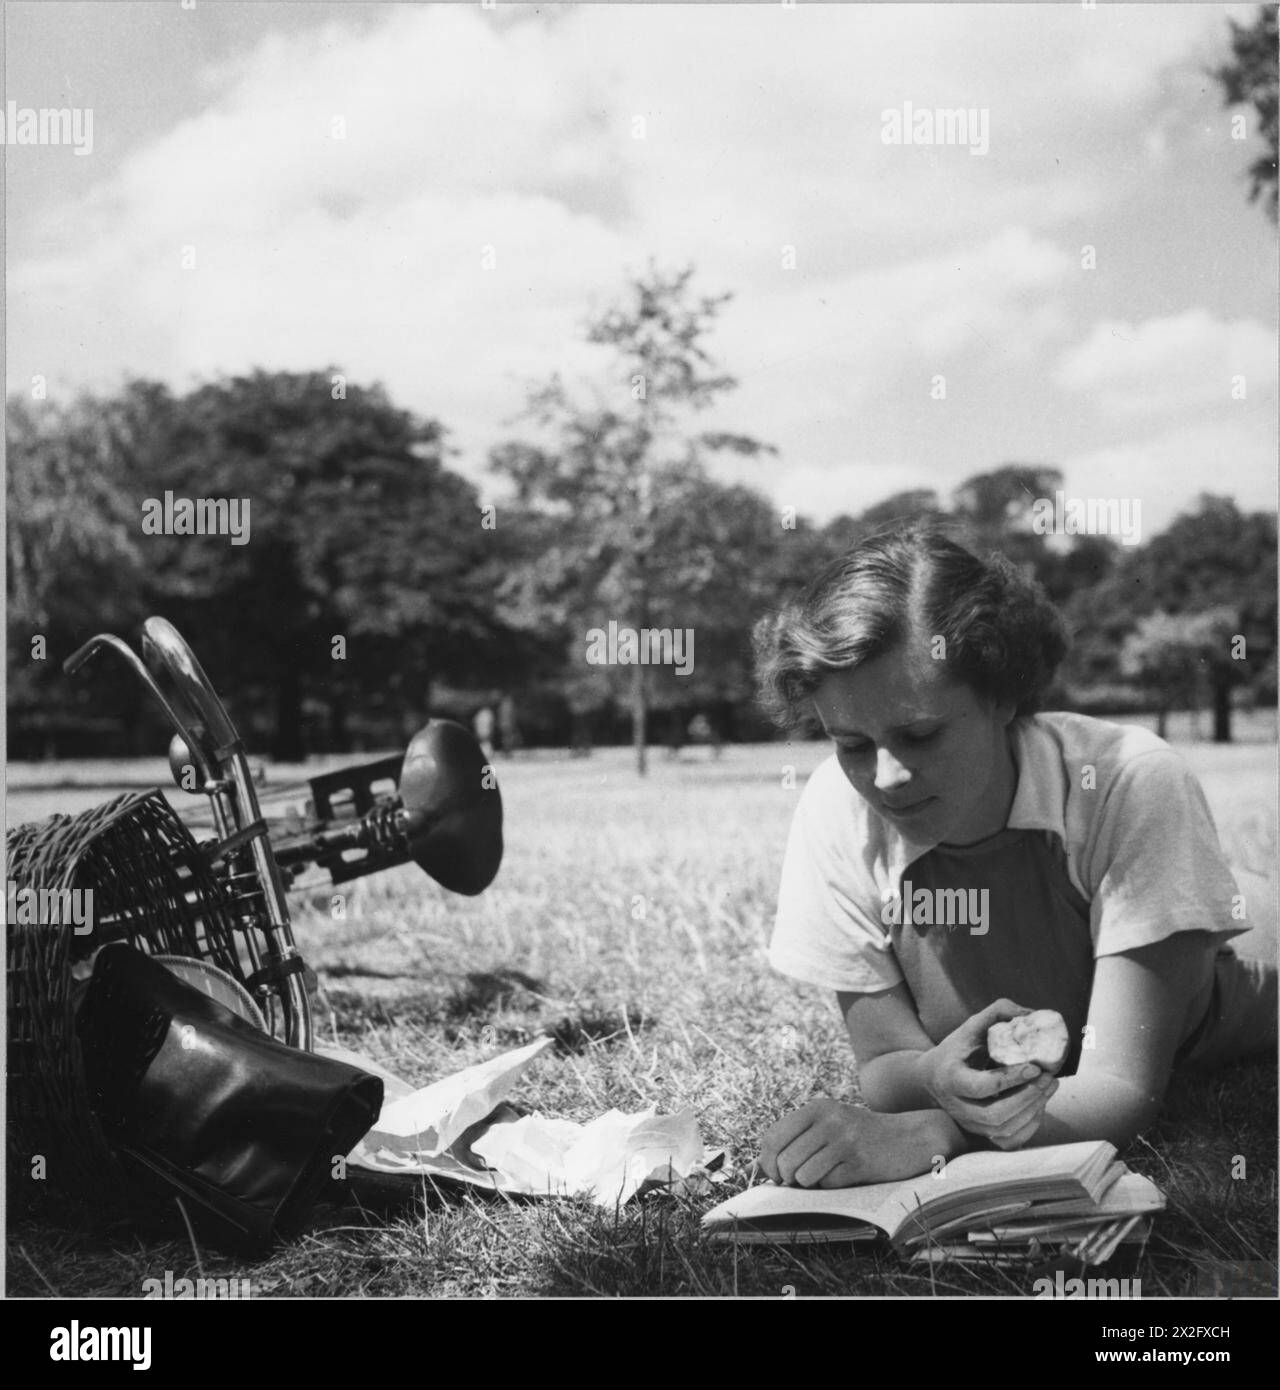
201 1104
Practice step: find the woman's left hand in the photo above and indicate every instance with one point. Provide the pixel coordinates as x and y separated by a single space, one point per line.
827 1143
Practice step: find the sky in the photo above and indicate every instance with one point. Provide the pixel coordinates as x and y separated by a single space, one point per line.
437 197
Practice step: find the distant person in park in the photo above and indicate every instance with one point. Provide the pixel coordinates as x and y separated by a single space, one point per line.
579 733
704 731
508 725
1092 879
482 723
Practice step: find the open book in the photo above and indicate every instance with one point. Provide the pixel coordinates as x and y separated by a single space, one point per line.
1064 1187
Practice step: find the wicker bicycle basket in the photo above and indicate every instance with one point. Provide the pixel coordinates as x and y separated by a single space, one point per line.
152 888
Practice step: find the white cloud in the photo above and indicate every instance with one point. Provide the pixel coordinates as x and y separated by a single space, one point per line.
844 487
1234 458
1185 362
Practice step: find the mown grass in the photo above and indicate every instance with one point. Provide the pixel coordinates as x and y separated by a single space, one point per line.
630 920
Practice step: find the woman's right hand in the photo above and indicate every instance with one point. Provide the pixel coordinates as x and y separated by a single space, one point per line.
1004 1105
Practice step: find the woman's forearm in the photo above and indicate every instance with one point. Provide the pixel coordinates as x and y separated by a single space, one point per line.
947 1136
895 1081
1097 1105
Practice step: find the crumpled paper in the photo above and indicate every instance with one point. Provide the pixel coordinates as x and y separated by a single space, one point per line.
463 1129
608 1160
431 1120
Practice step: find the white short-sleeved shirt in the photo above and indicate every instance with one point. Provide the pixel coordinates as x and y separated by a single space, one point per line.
1122 822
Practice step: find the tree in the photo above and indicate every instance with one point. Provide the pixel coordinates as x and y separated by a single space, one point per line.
614 471
366 576
1214 570
844 532
367 570
998 511
916 504
1099 614
1164 655
718 546
1252 78
995 511
73 559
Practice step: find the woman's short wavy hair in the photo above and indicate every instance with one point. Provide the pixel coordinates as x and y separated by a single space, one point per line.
1003 637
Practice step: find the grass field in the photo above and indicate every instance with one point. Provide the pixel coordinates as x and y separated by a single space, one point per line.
673 1008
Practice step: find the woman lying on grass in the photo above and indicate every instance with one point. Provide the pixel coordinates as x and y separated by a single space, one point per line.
1095 885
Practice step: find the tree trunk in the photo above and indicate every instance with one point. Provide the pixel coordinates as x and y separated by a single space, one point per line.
639 713
1222 711
287 746
639 686
1162 722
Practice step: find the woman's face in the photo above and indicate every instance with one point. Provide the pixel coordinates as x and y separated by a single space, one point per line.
926 752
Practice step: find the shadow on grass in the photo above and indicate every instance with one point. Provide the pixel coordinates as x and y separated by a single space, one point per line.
487 990
583 1032
352 1011
501 1008
481 994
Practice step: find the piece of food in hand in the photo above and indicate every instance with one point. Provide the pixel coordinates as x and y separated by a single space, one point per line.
1039 1037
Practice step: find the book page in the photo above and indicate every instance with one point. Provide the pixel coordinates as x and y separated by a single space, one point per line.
1058 1170
1131 1195
770 1203
890 1205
